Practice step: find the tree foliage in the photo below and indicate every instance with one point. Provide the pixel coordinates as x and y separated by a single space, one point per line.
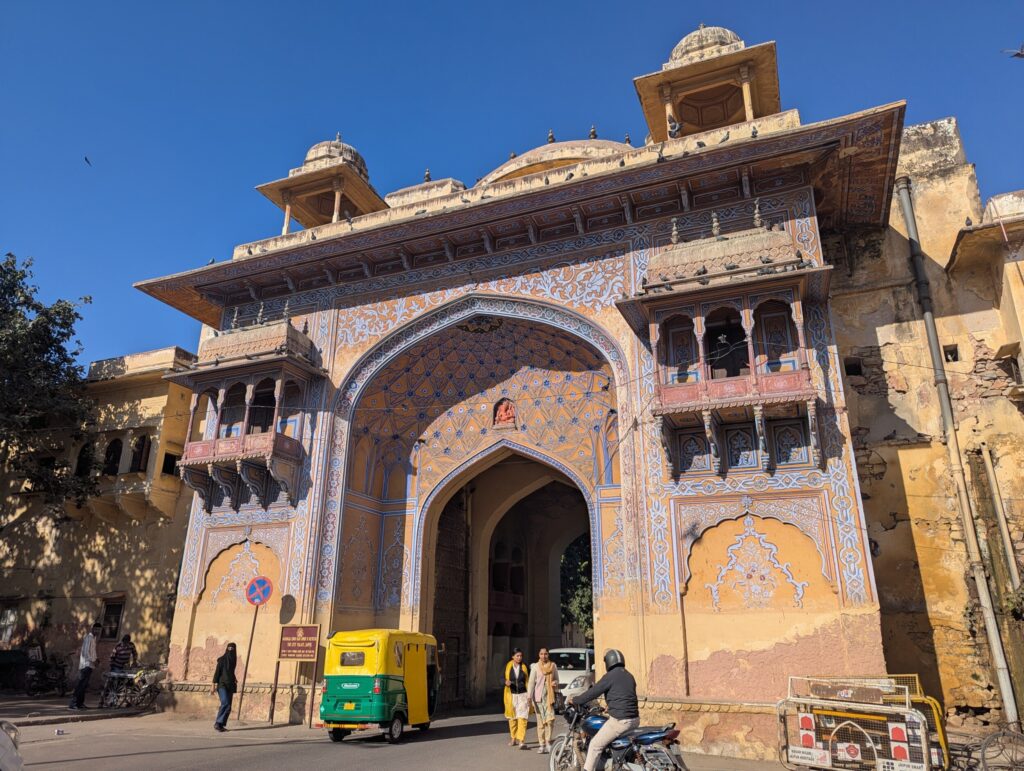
43 402
577 592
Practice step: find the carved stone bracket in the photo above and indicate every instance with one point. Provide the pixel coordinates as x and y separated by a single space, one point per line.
285 473
199 481
254 477
711 433
227 480
762 439
812 432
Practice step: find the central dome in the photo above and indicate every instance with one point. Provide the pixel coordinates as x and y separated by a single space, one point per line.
703 43
554 155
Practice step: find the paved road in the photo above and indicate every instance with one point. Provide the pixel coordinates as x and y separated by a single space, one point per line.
155 742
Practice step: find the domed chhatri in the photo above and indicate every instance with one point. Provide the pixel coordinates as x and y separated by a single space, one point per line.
331 152
704 43
553 155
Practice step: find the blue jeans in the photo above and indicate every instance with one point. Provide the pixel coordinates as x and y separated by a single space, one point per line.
225 706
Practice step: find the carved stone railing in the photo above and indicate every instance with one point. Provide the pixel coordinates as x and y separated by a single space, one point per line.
711 394
242 463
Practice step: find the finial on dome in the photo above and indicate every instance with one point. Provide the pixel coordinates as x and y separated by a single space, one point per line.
426 175
337 136
551 136
593 131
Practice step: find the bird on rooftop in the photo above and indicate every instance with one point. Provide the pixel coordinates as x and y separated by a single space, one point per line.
753 132
725 138
569 176
968 222
464 199
700 144
1015 53
674 129
212 260
87 160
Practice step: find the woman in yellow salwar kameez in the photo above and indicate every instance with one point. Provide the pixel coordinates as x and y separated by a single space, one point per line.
517 699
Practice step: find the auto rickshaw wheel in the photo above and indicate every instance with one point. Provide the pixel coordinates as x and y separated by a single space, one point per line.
337 734
395 728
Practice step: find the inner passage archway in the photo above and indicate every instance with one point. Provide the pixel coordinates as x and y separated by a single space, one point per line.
497 581
451 436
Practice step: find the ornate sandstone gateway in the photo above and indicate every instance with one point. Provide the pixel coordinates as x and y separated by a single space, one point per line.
409 408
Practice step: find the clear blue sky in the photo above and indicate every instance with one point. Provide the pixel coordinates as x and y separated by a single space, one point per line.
183 107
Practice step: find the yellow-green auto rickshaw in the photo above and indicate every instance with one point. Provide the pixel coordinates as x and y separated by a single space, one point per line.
383 677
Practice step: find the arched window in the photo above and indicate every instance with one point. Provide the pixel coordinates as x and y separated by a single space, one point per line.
261 413
679 351
140 453
204 415
725 344
232 413
775 338
112 457
291 411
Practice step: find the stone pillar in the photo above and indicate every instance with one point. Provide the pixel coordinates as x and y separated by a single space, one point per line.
286 197
698 332
278 388
191 417
127 448
797 311
221 395
250 391
748 102
666 98
339 185
748 329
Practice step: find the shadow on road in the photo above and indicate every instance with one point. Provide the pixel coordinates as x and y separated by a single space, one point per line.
436 733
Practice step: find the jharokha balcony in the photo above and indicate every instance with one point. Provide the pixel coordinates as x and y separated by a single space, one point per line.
725 319
248 414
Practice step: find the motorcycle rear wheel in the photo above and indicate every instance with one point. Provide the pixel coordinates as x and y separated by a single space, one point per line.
563 755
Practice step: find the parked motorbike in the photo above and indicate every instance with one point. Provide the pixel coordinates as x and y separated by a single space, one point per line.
645 749
42 677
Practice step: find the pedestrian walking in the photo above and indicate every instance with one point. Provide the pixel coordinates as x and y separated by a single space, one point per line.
86 664
517 699
124 655
224 685
541 687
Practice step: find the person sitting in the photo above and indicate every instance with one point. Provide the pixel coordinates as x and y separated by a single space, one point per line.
619 690
124 655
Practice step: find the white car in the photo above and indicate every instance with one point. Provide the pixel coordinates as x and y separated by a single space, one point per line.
575 672
10 758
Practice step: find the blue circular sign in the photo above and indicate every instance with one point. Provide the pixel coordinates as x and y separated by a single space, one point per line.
259 590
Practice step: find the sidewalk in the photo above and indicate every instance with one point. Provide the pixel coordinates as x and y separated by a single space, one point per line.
47 710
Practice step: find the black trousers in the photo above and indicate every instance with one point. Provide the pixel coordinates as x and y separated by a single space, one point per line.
83 682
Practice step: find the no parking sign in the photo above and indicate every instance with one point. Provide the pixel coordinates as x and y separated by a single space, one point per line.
259 590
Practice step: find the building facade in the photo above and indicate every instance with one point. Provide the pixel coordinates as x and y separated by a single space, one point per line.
707 356
115 559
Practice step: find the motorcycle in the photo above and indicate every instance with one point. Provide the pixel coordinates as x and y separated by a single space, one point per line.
42 677
644 749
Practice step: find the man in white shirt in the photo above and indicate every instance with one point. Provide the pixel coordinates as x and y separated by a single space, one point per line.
86 663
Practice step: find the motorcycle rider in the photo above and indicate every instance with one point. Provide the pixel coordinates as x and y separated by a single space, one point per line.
619 690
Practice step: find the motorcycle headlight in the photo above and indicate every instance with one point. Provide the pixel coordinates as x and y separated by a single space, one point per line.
12 731
578 682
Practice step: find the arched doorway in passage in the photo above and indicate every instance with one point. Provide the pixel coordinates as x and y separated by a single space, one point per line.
495 582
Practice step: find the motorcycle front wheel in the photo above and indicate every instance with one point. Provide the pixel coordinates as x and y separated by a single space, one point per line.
563 755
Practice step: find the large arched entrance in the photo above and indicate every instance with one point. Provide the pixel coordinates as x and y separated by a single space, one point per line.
493 424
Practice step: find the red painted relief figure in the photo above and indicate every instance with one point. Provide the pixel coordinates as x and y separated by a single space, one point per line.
505 413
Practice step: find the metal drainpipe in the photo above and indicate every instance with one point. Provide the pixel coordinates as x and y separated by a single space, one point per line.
924 297
997 505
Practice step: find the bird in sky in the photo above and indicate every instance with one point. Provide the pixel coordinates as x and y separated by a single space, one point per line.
87 160
1015 53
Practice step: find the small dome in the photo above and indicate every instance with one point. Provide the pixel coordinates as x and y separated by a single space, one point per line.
330 152
703 43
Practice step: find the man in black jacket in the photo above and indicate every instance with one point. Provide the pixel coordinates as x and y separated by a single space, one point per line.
619 690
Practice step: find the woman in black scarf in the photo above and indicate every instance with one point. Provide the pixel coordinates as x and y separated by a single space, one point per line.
225 685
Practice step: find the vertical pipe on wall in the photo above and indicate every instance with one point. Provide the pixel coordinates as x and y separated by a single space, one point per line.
997 505
924 298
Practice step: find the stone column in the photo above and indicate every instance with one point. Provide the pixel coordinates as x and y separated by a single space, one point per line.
286 197
797 311
666 98
748 102
698 332
278 388
250 390
221 395
191 417
339 185
127 448
748 329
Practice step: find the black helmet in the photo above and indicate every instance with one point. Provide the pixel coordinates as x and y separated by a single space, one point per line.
613 658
